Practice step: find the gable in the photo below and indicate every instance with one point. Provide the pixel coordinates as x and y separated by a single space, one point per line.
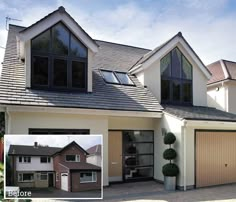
177 41
52 19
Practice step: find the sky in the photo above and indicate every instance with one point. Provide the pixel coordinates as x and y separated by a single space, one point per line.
209 26
85 141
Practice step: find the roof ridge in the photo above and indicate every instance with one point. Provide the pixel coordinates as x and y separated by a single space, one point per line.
121 44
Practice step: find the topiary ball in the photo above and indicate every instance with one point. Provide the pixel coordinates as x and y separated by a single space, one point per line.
169 154
170 170
169 138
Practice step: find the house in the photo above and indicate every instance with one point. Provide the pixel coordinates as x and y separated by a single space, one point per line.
43 166
57 79
95 155
221 88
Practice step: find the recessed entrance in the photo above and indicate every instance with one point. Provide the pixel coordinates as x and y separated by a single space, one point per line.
131 155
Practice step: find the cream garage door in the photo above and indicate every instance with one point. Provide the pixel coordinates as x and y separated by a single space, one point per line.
64 181
215 158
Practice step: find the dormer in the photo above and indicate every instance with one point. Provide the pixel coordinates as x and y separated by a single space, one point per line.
174 73
58 54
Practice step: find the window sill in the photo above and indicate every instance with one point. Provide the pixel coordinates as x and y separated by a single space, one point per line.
87 182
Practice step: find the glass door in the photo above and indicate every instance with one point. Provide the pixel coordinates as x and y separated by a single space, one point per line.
138 155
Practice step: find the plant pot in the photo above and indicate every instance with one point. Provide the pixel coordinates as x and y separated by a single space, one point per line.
170 183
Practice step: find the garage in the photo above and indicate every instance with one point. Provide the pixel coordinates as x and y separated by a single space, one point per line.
215 158
64 181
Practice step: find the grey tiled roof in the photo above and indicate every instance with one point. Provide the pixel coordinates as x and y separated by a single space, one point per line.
31 150
104 96
199 113
81 166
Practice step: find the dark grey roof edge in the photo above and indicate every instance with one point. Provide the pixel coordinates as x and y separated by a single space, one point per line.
60 9
66 107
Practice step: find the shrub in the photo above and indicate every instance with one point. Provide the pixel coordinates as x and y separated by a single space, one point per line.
169 154
170 170
169 138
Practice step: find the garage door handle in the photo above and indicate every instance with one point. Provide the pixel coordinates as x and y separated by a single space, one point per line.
226 165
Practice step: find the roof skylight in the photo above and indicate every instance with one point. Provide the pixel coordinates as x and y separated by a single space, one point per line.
116 77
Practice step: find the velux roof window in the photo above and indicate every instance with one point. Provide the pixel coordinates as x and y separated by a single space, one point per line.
116 77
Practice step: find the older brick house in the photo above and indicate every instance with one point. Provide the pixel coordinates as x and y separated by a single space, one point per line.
64 168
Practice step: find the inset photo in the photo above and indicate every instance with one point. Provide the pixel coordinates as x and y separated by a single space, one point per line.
53 166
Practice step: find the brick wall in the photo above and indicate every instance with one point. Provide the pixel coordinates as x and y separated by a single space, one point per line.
77 186
61 158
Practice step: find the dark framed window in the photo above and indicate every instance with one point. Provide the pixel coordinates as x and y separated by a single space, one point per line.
45 159
59 60
73 158
41 131
20 159
176 78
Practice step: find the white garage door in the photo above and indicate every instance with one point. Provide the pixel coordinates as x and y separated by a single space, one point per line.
64 181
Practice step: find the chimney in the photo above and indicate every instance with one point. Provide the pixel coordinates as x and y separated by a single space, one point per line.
35 144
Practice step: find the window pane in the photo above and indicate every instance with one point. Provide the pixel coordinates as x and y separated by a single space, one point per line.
133 173
60 36
60 73
77 48
28 177
138 136
109 77
124 78
142 160
78 74
41 42
187 69
70 157
43 176
40 70
139 148
165 90
86 177
176 63
187 92
43 159
165 65
176 90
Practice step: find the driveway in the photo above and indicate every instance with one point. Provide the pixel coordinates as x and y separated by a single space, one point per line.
153 191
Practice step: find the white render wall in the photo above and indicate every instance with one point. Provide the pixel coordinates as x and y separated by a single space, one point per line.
94 159
218 98
174 125
35 165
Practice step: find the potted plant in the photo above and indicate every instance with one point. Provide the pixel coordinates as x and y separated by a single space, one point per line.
170 170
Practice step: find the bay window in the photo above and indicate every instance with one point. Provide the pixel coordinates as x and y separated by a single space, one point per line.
59 60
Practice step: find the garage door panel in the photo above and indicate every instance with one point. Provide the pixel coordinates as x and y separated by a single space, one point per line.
215 158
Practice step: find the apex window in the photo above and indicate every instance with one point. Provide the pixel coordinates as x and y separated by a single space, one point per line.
59 60
176 78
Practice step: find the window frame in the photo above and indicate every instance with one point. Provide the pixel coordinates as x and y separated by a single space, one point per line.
51 56
47 161
94 177
36 131
124 84
44 174
181 80
22 159
22 174
77 158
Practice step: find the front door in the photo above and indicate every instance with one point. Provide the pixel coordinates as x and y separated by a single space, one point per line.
50 180
115 155
64 181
